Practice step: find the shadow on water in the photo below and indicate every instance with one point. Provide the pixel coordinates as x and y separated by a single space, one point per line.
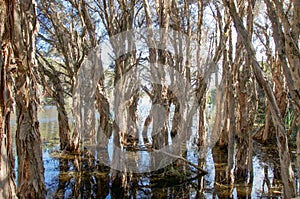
83 176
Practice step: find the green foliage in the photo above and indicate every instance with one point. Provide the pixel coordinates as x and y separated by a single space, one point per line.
48 101
289 117
211 96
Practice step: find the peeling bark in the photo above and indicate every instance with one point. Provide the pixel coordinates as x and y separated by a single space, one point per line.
28 138
243 165
7 174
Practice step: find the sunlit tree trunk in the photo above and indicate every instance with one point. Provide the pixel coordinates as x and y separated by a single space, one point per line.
28 137
219 136
177 63
231 125
200 92
229 128
7 175
220 133
202 130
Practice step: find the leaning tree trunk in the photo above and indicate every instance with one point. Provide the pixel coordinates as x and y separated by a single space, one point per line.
287 174
7 184
28 138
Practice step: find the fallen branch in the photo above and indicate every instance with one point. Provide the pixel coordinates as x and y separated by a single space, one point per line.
204 172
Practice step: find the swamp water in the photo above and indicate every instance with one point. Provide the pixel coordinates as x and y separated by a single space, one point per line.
70 176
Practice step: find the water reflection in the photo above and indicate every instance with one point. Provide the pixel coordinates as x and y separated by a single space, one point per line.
83 176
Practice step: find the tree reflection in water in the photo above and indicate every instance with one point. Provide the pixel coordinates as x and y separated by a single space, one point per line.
83 176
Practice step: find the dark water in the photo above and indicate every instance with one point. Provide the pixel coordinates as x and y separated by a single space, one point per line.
83 176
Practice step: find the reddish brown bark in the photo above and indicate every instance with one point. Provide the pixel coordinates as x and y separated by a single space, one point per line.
28 138
7 175
243 165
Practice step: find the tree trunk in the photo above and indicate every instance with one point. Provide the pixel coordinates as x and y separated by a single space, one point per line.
63 125
219 135
7 175
176 117
160 112
28 138
287 175
244 146
231 130
105 128
58 95
230 108
267 133
76 137
160 139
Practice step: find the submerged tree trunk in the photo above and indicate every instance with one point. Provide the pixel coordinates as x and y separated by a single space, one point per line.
28 138
243 145
63 125
231 130
243 165
7 175
160 132
228 67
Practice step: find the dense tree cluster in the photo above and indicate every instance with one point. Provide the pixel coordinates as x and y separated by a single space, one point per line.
249 48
